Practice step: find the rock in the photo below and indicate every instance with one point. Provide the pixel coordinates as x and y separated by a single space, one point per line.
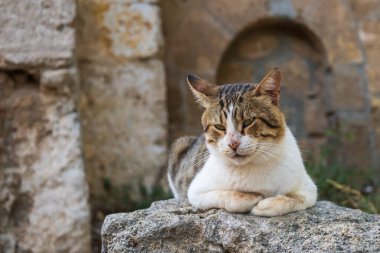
127 106
123 99
118 30
348 88
37 33
43 191
342 47
169 226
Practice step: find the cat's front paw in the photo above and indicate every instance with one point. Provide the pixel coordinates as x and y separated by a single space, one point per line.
242 202
265 207
275 206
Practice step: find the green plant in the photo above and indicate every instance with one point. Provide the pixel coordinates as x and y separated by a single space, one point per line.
129 197
339 183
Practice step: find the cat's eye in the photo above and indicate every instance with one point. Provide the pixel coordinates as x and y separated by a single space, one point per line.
220 127
248 122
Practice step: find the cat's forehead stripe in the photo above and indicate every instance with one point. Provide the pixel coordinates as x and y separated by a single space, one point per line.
232 93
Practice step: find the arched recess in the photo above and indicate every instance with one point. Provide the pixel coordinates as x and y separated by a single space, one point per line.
300 55
199 38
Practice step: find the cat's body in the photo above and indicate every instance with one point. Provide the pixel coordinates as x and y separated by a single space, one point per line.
247 160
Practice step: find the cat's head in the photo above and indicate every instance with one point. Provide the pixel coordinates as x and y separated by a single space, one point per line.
242 122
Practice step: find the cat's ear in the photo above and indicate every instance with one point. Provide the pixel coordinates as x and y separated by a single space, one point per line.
204 92
270 86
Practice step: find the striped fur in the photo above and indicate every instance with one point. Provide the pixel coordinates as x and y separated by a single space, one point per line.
187 157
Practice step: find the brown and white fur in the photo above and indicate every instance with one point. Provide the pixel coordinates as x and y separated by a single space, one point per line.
247 160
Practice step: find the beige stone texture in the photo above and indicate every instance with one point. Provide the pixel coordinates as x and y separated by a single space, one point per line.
36 33
115 31
124 117
236 17
364 9
315 117
123 101
370 35
332 22
208 53
348 88
369 30
43 191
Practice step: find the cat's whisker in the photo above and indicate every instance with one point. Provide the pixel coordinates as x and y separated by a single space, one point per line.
274 145
268 154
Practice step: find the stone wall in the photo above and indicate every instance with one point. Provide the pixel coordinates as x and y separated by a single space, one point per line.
43 192
327 52
58 57
123 99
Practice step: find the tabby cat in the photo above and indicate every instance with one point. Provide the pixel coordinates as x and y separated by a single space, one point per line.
247 160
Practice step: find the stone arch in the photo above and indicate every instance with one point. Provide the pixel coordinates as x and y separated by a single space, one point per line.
198 33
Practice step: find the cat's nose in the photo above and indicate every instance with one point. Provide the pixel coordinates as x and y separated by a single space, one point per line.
234 145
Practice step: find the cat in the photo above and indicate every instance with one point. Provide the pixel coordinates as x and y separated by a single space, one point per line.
247 160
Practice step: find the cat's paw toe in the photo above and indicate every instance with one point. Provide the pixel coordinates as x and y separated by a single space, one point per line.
264 208
267 212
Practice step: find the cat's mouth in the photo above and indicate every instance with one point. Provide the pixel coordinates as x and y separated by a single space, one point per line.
239 156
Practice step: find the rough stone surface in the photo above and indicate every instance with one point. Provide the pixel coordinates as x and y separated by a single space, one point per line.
36 33
123 102
169 226
118 30
43 192
348 88
341 47
134 31
368 21
127 106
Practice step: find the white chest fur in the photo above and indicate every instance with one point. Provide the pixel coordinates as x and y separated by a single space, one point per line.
287 174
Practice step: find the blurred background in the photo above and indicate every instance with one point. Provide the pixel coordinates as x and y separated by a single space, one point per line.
93 92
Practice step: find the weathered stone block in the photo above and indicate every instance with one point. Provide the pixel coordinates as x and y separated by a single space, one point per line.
117 30
236 17
332 22
35 33
169 226
60 81
315 117
209 53
124 117
43 192
134 30
369 34
348 88
365 8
